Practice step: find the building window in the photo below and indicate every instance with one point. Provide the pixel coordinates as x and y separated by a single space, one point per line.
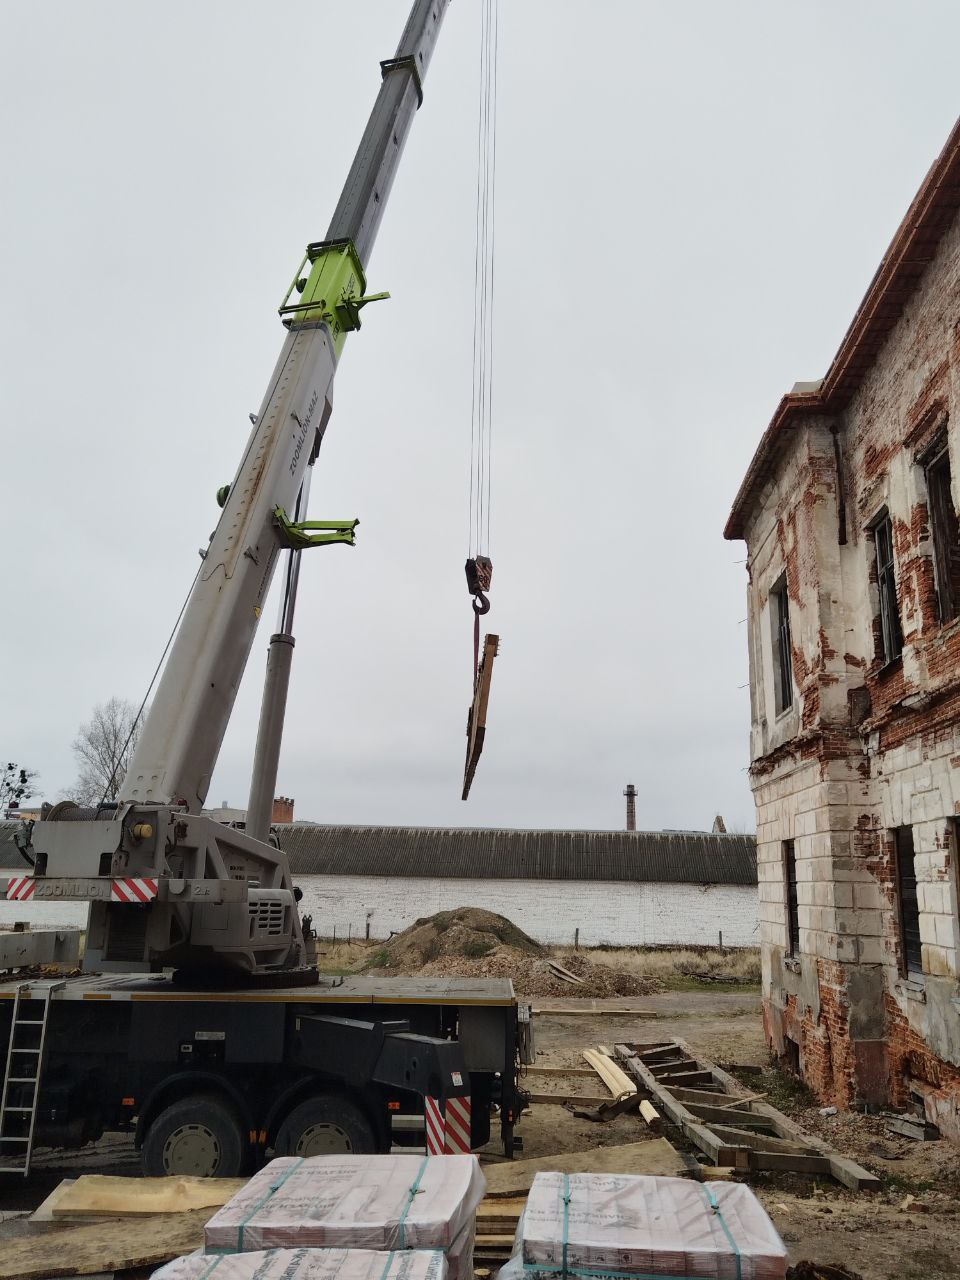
909 906
793 913
782 655
946 537
891 637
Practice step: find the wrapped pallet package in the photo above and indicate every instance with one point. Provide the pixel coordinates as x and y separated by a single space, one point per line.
621 1225
356 1202
308 1264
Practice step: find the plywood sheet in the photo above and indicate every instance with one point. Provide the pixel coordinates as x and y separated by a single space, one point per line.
102 1246
98 1195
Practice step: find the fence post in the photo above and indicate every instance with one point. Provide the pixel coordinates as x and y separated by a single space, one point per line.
576 939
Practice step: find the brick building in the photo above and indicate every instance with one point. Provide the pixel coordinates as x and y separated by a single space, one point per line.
849 512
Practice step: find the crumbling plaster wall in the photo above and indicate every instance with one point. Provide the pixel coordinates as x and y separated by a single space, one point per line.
838 773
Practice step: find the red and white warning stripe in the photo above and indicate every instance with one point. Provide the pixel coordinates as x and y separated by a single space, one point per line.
435 1126
131 889
448 1130
458 1126
20 888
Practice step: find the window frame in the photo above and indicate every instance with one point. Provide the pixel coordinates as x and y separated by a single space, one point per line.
885 567
908 905
942 515
782 641
791 896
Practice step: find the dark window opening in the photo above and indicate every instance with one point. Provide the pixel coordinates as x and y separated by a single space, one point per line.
782 653
890 632
793 913
946 537
909 905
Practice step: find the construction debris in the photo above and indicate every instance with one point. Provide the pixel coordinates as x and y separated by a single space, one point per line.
472 942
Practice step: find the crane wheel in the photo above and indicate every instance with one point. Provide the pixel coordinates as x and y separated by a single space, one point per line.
325 1125
198 1135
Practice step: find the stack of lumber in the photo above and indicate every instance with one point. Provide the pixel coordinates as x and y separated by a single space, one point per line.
308 1264
381 1202
618 1082
575 1224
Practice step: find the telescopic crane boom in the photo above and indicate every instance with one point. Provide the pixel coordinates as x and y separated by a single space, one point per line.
210 896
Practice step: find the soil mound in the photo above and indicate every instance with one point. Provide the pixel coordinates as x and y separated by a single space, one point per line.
473 943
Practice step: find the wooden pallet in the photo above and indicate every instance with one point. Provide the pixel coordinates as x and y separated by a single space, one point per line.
732 1128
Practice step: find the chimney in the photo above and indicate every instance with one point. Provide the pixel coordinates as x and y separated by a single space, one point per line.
719 826
631 794
282 809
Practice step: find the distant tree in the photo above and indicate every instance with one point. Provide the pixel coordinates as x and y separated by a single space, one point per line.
16 784
103 749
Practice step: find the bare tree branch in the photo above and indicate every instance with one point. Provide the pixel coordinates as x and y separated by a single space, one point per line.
103 748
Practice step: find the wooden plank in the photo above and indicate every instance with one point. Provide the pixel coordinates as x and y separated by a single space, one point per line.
676 1111
716 1115
709 1096
94 1247
555 967
477 715
780 1161
613 1076
736 1137
590 1009
121 1197
559 1071
656 1052
654 1155
680 1062
847 1172
685 1077
650 1114
561 1099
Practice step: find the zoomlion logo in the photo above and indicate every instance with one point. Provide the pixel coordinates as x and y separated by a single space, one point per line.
304 425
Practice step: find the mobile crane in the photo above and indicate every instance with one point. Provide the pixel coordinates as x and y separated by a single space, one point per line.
208 1031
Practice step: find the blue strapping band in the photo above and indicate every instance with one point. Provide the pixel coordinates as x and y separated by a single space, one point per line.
406 1208
566 1220
213 1266
274 1187
602 1273
387 1265
714 1205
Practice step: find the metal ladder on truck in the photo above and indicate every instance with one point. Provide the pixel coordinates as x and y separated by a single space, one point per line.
21 1076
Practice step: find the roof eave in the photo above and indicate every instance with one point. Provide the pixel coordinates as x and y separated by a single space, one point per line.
914 244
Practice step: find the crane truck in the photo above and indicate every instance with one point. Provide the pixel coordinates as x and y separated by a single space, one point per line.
200 1022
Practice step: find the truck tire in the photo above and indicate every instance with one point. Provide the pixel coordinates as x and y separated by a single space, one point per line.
200 1135
325 1125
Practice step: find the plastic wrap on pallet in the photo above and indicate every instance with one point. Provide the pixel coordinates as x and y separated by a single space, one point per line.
621 1225
308 1264
357 1202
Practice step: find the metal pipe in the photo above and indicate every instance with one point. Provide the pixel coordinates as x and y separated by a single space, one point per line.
276 685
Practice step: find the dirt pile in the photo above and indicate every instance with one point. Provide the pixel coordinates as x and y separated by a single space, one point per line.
473 943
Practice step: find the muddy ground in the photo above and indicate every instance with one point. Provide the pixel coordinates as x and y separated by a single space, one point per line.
910 1230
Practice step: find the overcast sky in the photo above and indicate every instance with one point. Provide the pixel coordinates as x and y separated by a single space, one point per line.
692 199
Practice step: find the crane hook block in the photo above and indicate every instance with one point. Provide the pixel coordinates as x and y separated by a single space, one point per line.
479 573
298 535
